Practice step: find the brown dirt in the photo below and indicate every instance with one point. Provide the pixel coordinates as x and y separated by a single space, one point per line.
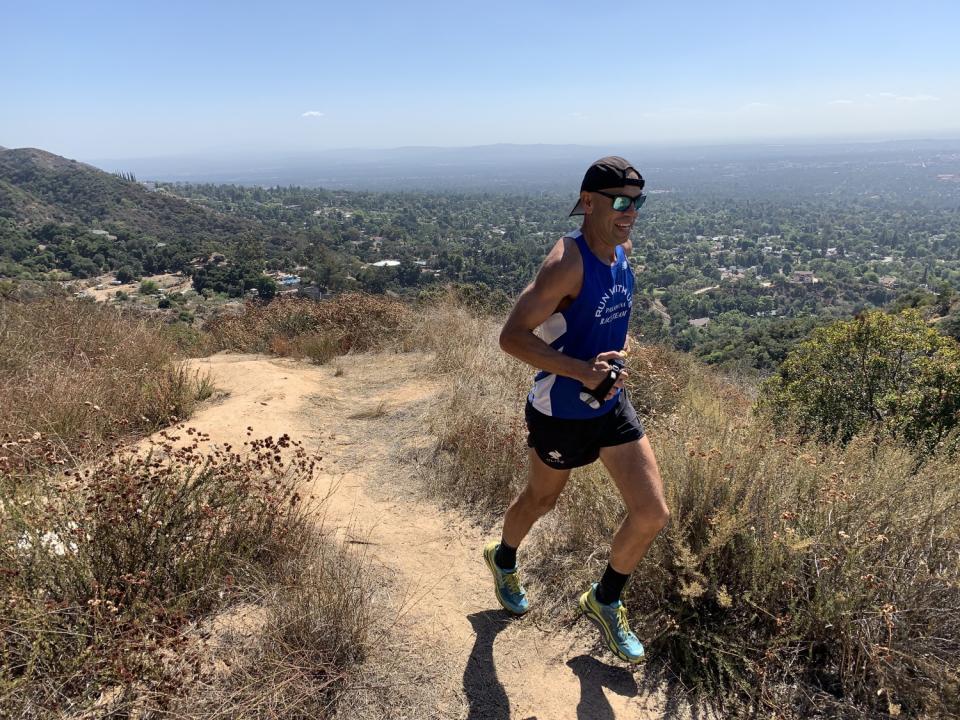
101 290
369 426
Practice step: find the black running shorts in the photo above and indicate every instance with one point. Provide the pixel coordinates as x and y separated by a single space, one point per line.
564 444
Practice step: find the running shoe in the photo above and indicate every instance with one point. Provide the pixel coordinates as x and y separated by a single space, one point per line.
612 621
509 591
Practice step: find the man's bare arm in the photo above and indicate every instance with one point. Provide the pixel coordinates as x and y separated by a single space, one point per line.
559 278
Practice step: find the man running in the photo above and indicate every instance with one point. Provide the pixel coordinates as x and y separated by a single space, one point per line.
580 302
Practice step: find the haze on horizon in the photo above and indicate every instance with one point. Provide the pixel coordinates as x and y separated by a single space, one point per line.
112 80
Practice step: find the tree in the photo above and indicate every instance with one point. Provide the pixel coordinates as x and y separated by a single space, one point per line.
149 287
266 287
878 370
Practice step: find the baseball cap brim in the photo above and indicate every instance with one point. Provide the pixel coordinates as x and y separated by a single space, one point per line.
612 171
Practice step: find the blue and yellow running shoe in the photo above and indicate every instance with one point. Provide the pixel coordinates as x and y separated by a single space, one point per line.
612 621
507 585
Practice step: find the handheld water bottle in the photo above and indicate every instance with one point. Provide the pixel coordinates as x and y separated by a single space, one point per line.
594 398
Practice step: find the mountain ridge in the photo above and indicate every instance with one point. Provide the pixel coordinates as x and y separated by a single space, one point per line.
63 214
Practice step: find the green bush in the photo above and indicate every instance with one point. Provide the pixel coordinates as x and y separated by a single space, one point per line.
149 287
876 370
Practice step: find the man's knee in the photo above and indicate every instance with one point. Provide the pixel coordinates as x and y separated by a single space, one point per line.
539 503
650 520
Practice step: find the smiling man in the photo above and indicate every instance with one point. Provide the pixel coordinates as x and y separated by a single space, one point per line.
571 323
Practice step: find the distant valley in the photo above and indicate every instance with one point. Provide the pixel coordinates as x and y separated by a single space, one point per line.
927 168
737 256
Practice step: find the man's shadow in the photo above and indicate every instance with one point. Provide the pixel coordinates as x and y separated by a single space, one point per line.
594 676
486 695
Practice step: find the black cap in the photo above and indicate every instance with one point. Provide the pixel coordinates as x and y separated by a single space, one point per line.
609 172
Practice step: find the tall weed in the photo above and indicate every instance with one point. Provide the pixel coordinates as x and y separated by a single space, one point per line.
481 451
87 375
305 328
793 578
105 567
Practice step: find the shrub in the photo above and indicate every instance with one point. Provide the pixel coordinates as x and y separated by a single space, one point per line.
793 578
87 375
318 347
349 322
106 566
878 369
794 572
111 562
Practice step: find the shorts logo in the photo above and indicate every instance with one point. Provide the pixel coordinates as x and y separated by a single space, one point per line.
555 455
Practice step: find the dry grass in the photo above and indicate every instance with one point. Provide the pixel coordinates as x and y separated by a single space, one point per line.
86 376
109 560
481 454
370 413
793 579
320 331
304 650
105 567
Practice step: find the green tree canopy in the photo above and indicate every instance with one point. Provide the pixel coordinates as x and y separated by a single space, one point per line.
877 369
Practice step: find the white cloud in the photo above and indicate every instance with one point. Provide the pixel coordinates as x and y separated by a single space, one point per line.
904 98
312 113
917 98
755 106
840 102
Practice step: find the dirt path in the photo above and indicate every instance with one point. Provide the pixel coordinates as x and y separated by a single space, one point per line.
661 310
368 423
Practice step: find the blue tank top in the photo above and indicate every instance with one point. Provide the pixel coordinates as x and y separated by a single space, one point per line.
595 322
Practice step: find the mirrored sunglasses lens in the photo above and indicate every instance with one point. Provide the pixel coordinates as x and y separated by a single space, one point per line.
621 203
641 199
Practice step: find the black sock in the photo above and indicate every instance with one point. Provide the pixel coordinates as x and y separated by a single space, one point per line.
506 557
611 586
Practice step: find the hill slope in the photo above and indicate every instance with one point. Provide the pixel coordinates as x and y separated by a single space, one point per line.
60 214
368 423
39 186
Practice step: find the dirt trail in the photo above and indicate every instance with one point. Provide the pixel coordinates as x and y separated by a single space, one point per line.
368 424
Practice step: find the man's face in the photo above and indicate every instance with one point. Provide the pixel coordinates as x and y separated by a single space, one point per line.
612 226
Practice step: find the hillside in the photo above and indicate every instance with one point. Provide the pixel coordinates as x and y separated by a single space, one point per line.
60 214
39 186
458 644
817 579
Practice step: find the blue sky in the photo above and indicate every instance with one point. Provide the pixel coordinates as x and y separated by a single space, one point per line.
132 79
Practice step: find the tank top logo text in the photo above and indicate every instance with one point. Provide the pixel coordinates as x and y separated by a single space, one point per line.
611 306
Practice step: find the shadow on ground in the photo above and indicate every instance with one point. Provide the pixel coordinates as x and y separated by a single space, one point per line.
594 676
486 695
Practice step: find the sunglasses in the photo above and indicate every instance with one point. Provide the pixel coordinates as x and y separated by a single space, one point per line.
622 203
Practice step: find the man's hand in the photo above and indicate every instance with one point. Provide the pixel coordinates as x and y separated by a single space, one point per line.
598 369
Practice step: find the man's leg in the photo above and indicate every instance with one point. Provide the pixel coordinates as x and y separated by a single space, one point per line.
633 468
544 485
